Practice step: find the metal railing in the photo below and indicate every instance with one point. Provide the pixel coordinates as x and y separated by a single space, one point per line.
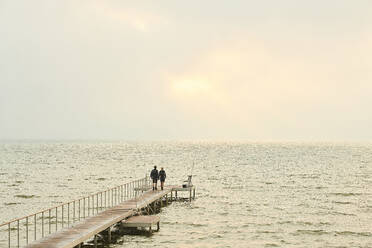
27 229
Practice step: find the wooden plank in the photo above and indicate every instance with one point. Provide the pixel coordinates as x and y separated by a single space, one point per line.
183 189
141 221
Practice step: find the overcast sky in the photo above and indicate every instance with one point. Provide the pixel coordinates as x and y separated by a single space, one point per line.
169 70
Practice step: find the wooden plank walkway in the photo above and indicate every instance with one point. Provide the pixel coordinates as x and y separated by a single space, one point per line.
87 228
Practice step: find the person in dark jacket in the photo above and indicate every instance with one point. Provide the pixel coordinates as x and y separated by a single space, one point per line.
154 176
162 176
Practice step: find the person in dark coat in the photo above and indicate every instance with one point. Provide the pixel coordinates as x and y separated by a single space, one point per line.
162 176
154 176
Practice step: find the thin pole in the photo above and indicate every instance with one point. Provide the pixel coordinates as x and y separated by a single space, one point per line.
17 233
56 219
8 235
35 227
42 224
26 230
84 207
62 215
49 220
101 201
68 214
79 209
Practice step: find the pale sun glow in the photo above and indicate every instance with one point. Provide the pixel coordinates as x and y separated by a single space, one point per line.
191 86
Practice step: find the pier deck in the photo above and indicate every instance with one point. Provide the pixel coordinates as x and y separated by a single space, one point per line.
73 236
142 221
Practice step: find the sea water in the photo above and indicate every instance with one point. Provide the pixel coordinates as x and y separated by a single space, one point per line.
247 194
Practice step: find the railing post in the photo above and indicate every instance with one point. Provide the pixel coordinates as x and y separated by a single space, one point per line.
8 235
18 233
62 216
56 218
26 230
68 214
50 220
84 207
79 209
101 201
35 227
42 224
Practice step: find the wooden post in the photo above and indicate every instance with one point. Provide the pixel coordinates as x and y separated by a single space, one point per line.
166 199
95 241
152 206
171 195
109 235
190 194
194 194
176 195
158 224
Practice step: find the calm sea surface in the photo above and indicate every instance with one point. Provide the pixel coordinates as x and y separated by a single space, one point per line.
248 194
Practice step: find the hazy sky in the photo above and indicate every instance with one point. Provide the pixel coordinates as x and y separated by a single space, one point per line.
160 70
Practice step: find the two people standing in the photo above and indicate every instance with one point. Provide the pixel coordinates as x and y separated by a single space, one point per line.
155 176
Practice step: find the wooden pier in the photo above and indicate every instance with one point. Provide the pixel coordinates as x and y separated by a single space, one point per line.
128 213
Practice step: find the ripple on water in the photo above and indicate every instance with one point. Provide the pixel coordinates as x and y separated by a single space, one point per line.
271 245
342 202
27 196
349 233
310 232
346 194
11 203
